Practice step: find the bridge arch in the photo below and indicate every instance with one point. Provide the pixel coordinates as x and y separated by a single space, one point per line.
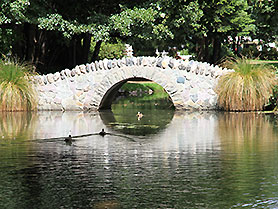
111 83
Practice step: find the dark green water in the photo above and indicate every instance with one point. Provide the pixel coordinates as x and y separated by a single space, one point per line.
163 160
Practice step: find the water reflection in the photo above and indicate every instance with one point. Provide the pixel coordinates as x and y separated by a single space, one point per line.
17 124
152 122
249 152
155 112
241 132
193 160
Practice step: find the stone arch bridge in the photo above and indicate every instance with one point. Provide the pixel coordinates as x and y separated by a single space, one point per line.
190 85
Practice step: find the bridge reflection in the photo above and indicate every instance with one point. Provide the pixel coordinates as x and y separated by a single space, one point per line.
152 122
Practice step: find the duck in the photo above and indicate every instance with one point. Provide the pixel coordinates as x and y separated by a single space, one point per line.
139 115
69 138
102 133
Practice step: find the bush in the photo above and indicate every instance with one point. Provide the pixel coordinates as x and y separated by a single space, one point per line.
110 50
250 51
248 88
16 91
269 53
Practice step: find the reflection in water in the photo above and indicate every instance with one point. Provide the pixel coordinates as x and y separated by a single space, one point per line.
246 131
140 116
17 124
193 160
128 123
249 149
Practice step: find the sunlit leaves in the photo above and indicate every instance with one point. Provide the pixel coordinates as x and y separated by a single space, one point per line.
145 23
13 11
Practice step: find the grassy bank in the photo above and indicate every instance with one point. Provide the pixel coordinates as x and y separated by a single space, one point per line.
264 62
146 90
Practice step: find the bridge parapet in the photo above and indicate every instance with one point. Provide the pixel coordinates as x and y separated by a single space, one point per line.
189 84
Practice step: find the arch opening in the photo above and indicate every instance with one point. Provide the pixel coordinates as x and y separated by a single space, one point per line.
110 95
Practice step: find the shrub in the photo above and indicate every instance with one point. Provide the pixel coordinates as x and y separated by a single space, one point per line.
248 88
250 51
110 50
269 53
16 91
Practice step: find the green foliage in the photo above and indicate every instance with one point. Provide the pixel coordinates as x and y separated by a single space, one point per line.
13 11
246 89
110 50
144 23
143 86
250 52
38 26
6 38
269 54
16 91
55 22
264 12
184 52
273 100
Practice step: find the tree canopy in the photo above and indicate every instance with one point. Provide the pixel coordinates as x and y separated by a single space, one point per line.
56 34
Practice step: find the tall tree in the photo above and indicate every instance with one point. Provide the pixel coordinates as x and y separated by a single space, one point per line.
207 24
264 12
57 34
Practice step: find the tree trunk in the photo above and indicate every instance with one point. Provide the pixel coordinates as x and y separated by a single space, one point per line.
200 49
216 49
30 34
19 45
74 53
206 52
86 48
96 51
40 53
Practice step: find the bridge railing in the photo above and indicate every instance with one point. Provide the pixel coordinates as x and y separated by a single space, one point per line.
195 67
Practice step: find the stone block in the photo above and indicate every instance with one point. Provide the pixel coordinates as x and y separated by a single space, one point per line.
56 76
109 64
50 78
104 64
180 80
88 68
83 69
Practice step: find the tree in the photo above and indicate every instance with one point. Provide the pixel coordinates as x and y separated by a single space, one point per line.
206 25
52 34
264 12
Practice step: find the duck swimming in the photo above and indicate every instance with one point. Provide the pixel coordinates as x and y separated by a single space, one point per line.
68 139
102 133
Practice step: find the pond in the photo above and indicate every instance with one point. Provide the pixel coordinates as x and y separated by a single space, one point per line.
164 159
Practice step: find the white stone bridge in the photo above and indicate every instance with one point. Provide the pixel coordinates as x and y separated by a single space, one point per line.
190 85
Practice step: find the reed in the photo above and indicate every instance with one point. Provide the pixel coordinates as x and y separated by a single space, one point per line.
248 88
16 90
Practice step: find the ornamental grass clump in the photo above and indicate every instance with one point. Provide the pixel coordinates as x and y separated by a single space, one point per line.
248 88
16 90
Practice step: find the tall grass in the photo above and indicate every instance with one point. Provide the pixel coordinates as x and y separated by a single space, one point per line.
248 88
16 90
